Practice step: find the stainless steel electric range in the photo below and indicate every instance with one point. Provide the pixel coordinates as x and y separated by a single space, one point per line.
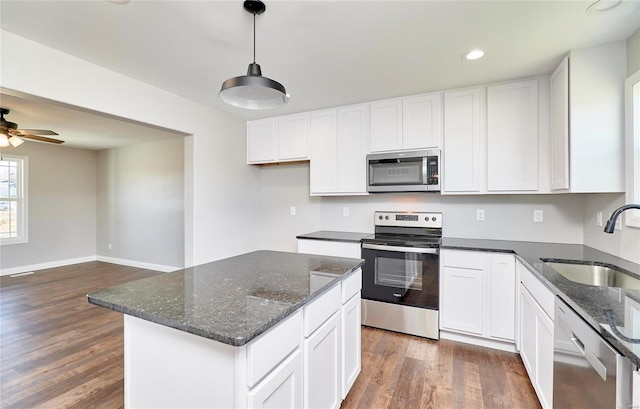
400 278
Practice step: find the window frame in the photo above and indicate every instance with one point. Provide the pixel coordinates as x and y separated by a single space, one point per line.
22 184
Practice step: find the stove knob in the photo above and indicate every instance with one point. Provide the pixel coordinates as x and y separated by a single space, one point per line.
386 217
380 217
433 219
426 219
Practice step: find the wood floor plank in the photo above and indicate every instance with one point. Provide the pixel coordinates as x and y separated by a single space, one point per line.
59 351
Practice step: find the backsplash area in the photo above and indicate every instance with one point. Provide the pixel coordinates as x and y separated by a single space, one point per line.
506 217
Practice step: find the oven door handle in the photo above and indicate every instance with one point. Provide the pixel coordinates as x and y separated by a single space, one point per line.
398 249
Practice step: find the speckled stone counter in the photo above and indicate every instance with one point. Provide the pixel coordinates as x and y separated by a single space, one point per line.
613 312
232 300
343 236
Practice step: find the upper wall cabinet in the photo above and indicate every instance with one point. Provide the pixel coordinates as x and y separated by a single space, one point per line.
279 139
587 120
338 151
512 136
463 141
413 122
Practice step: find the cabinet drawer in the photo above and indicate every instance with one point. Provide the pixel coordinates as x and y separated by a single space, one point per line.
269 349
539 291
321 309
351 286
463 259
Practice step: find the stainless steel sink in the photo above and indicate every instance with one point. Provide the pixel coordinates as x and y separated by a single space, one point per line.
595 275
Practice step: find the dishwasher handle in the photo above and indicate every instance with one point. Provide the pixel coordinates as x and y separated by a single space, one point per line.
593 360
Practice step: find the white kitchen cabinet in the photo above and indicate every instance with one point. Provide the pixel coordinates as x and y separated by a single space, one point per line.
338 151
385 125
322 383
351 340
536 334
422 121
635 379
478 298
329 248
413 122
279 139
587 120
463 144
560 126
512 136
281 389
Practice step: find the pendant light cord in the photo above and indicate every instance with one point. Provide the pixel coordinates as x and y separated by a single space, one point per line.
254 38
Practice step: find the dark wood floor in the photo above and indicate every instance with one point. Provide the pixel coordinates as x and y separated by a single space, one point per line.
58 351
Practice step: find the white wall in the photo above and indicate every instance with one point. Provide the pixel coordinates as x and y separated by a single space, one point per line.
633 53
141 203
221 192
507 217
62 206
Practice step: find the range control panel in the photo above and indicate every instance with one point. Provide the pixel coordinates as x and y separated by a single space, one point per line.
408 219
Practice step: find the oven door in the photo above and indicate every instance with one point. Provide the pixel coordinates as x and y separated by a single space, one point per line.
401 275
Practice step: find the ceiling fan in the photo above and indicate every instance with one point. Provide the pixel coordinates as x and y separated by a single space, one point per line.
10 134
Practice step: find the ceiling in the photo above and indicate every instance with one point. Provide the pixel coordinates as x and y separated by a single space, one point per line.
326 53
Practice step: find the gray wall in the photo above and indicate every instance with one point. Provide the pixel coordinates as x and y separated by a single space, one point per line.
62 206
507 217
633 53
141 203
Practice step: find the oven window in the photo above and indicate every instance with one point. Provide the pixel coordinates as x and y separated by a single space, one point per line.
398 273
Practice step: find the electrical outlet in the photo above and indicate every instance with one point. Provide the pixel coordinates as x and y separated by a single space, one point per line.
345 211
618 222
109 246
538 216
293 211
599 219
480 215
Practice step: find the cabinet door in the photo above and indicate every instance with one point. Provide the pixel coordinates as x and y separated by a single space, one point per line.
282 388
560 126
323 133
386 125
322 370
462 301
262 139
512 136
351 339
422 121
293 137
502 297
462 141
352 149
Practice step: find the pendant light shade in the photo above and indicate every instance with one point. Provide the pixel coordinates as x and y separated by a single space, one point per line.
253 91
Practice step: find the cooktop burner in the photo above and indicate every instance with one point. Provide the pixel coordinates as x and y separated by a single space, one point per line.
407 229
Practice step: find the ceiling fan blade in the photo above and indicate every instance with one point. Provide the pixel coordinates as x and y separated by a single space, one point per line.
23 132
41 138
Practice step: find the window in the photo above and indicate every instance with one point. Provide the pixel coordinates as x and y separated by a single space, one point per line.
13 199
632 95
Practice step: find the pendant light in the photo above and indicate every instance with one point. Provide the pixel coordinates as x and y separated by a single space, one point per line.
253 91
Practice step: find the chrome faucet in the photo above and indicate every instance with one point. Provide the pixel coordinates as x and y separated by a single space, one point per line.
611 223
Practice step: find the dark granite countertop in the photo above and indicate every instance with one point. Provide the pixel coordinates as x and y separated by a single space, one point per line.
327 235
613 312
232 300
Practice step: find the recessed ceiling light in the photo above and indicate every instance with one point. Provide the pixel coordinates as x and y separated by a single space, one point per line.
601 6
473 55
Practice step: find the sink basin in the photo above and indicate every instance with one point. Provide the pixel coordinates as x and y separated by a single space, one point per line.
593 274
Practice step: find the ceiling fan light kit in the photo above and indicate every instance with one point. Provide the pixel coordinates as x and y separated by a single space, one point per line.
253 91
11 135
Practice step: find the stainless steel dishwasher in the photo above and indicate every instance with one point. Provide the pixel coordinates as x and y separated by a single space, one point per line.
587 371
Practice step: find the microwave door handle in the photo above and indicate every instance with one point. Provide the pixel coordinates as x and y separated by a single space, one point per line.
399 249
425 171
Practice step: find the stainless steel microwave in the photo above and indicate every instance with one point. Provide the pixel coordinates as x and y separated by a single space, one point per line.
413 171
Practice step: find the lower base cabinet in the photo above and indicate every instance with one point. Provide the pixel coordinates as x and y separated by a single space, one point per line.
351 340
322 374
281 389
536 339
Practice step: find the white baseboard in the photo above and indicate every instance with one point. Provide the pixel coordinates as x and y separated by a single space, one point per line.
507 346
42 266
139 264
70 261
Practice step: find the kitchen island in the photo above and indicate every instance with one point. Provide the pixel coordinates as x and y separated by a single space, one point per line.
263 329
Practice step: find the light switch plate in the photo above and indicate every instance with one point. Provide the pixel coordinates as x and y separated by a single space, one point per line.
293 211
345 211
599 219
